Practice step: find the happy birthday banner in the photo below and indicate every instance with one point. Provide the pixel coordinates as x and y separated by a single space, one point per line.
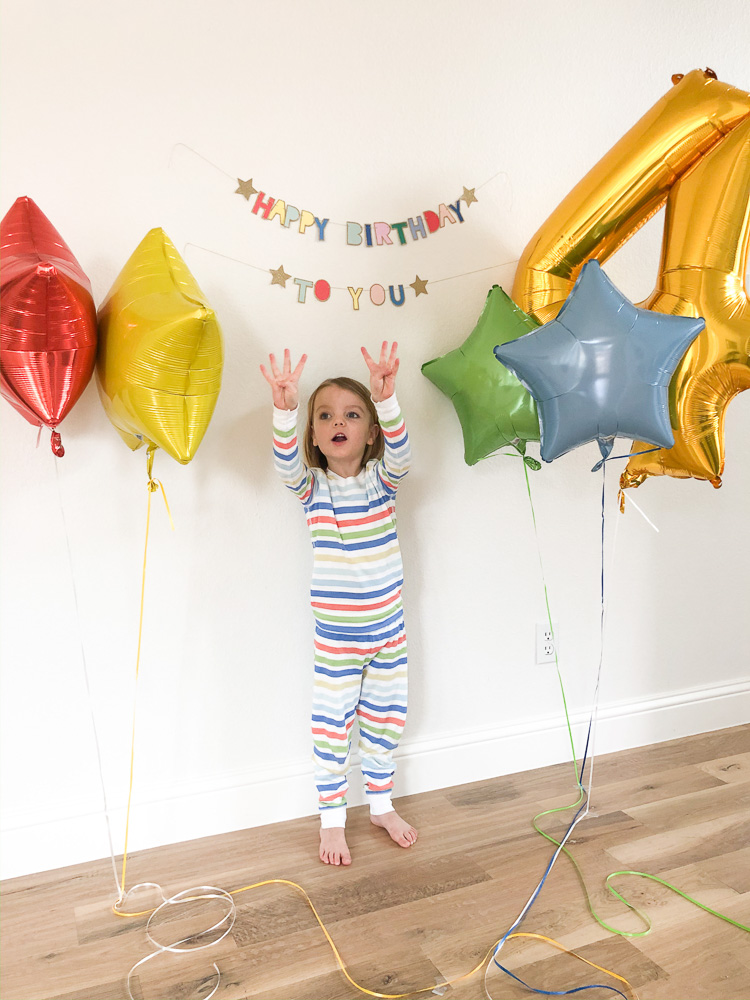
413 228
322 289
357 233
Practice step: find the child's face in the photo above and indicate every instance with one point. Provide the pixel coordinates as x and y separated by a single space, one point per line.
342 428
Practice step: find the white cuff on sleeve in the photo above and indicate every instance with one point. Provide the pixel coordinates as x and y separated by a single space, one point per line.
285 420
388 408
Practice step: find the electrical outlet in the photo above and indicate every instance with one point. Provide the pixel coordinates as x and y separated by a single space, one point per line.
547 642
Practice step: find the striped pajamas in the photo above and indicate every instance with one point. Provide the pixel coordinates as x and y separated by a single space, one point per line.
360 641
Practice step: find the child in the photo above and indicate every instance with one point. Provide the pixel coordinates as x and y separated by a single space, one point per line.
357 453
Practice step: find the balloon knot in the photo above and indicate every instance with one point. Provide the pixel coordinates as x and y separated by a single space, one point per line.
153 485
56 444
532 463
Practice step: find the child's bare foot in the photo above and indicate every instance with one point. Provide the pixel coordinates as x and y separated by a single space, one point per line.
398 829
334 849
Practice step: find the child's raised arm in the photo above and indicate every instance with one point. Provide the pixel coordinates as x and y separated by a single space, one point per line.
396 459
285 388
285 383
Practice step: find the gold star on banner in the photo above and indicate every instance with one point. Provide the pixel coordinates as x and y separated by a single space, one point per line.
419 285
280 277
246 188
469 196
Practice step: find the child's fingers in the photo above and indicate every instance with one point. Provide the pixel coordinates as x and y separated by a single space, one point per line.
274 366
383 352
266 376
287 362
368 359
300 365
394 353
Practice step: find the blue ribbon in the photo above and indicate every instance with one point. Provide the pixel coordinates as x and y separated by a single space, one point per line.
558 993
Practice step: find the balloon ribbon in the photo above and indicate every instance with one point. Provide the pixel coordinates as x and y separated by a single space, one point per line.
397 996
153 485
583 798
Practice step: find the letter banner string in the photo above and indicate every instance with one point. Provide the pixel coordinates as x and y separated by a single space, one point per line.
322 289
366 234
357 234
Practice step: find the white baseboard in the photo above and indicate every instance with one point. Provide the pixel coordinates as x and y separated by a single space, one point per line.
41 837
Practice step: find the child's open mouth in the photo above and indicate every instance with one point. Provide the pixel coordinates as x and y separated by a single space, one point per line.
338 438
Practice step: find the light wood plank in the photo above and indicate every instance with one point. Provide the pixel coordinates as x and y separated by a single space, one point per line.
684 845
731 800
735 768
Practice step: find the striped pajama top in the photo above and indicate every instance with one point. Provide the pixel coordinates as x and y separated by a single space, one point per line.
357 569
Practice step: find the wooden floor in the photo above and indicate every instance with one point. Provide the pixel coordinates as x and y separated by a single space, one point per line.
405 919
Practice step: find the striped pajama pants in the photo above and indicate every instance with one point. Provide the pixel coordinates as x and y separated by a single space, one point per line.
360 671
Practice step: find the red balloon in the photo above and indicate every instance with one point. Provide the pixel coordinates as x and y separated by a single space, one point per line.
47 320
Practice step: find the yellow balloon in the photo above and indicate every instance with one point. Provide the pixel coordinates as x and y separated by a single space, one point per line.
702 273
160 355
625 188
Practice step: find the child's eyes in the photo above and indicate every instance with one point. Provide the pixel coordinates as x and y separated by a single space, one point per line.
352 413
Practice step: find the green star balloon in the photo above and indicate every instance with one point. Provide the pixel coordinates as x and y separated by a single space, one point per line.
494 408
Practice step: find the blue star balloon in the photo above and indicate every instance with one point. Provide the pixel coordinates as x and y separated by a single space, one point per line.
601 368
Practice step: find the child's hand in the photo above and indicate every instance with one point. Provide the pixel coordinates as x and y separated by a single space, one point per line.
284 383
382 373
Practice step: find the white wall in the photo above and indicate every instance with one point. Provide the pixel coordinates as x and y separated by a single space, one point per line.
364 112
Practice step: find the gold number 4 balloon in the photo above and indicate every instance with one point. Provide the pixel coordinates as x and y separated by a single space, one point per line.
702 273
160 355
687 129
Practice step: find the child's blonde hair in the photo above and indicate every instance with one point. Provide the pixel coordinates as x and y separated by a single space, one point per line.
313 455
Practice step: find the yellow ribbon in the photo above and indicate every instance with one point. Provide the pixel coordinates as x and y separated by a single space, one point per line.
153 485
423 989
